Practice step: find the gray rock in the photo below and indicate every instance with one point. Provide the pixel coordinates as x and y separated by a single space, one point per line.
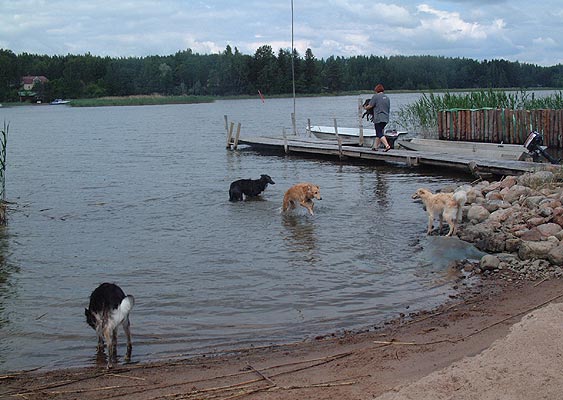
549 229
555 255
529 250
533 201
514 193
536 179
477 213
489 262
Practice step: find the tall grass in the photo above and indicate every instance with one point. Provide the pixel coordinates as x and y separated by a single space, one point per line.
140 101
422 115
3 143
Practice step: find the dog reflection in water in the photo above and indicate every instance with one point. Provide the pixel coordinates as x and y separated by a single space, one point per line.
109 307
303 194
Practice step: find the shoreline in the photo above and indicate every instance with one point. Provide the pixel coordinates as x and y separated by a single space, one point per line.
356 365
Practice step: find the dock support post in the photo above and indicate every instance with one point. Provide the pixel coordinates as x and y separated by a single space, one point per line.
235 144
335 128
285 145
339 140
226 123
412 161
309 126
230 135
293 124
360 125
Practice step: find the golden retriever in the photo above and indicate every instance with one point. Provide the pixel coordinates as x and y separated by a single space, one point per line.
302 193
444 206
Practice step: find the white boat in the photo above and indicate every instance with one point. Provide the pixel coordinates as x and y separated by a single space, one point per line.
59 101
352 135
476 149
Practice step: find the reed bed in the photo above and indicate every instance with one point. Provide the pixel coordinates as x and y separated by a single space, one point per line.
140 101
3 143
422 115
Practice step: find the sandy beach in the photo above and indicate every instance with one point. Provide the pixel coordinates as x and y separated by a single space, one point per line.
499 340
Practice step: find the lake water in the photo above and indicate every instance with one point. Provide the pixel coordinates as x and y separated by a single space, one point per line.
139 196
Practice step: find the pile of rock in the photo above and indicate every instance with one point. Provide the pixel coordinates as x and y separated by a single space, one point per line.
519 220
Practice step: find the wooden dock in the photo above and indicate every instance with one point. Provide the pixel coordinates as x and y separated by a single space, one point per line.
329 148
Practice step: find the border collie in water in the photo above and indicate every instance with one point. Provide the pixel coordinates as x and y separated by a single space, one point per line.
109 307
249 187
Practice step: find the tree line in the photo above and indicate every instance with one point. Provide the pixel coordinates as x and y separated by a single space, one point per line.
232 73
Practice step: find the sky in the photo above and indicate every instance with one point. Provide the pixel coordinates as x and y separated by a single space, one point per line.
525 31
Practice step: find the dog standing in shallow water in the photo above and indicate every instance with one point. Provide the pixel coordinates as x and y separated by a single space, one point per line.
302 193
249 187
444 206
109 307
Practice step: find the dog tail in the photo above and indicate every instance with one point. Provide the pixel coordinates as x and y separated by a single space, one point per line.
124 308
460 197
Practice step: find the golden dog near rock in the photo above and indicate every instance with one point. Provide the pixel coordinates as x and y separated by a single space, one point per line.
444 206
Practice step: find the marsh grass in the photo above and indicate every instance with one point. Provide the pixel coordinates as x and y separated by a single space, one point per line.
3 140
140 101
422 115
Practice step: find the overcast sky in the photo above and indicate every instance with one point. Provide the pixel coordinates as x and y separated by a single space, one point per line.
526 31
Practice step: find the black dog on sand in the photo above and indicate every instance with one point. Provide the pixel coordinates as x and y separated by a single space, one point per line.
249 187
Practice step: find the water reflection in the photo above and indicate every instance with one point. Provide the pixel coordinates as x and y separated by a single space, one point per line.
381 190
6 290
301 237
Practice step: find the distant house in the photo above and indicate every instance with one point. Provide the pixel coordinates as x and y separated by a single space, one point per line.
28 84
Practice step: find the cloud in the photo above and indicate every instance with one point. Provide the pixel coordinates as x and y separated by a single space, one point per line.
451 27
515 30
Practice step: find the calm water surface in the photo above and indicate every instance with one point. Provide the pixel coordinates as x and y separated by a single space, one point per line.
139 196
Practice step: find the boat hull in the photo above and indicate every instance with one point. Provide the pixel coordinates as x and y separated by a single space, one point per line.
352 135
476 149
59 102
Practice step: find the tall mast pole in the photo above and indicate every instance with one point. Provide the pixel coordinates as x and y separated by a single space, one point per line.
292 60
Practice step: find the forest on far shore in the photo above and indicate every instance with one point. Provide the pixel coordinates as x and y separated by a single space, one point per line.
232 73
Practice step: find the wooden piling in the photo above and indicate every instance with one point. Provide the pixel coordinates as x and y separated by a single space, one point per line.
360 125
294 124
230 135
235 144
339 140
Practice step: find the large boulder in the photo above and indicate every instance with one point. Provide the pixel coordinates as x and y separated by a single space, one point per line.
549 229
555 255
514 193
529 250
477 213
536 179
489 262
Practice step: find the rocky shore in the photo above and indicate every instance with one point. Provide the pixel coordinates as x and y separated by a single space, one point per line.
519 222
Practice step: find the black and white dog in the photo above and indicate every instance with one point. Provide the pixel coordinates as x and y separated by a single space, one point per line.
249 187
109 307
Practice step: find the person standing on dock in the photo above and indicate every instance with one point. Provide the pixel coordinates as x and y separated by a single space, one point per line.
381 106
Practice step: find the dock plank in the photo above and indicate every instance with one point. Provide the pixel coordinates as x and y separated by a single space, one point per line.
312 146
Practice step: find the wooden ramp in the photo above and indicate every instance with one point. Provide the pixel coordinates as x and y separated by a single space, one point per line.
330 148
